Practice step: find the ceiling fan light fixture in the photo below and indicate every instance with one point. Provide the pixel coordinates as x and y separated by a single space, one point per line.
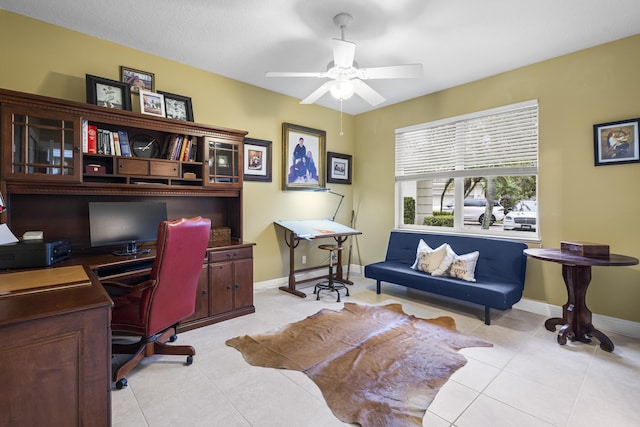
342 89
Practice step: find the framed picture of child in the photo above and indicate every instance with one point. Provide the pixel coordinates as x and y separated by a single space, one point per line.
338 168
257 160
304 161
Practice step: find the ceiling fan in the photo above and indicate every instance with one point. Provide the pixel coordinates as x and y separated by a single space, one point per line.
346 78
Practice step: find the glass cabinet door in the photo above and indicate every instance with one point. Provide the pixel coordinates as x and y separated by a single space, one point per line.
224 162
42 143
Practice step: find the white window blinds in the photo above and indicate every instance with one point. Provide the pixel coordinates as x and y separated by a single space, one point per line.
500 141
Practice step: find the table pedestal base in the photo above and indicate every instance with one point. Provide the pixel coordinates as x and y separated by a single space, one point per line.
566 332
576 317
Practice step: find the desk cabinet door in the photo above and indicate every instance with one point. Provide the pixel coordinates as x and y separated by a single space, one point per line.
202 296
222 287
243 272
40 144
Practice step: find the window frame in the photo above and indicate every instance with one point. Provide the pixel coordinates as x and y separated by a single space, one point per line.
527 167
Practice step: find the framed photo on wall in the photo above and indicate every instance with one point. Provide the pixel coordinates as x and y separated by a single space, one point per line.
303 157
108 93
137 79
338 168
616 142
177 107
257 160
151 103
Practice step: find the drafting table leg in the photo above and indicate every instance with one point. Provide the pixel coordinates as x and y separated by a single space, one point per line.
291 288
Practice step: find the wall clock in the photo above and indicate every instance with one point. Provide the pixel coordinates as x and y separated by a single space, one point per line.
145 146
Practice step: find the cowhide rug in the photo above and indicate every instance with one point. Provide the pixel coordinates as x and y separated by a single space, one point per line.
375 365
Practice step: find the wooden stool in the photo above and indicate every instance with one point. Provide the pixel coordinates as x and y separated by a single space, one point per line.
331 284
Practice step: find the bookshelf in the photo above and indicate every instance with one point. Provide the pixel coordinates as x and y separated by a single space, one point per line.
48 165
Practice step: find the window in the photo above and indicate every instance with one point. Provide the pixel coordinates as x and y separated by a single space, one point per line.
448 170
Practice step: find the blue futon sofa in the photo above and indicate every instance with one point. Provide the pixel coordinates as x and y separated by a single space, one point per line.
499 272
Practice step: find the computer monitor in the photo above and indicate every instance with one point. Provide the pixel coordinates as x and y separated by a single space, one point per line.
128 223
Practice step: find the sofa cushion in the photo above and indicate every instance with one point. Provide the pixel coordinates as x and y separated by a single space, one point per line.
458 266
428 259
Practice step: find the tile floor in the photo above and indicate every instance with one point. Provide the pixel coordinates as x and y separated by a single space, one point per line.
526 379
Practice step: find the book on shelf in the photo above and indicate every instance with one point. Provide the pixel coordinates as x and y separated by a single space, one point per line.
178 150
194 150
85 136
116 143
172 143
101 144
92 139
125 147
184 150
108 143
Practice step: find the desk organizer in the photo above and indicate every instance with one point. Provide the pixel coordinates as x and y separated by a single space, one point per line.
220 234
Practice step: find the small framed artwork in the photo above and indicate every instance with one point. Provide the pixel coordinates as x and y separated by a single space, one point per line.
137 79
616 142
151 103
257 160
177 107
338 168
108 93
303 157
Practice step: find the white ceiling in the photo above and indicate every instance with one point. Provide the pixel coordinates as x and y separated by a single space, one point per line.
457 41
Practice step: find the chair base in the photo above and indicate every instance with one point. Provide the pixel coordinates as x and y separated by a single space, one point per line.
330 285
146 347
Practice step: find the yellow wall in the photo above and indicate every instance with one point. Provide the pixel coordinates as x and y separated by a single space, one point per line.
577 200
49 60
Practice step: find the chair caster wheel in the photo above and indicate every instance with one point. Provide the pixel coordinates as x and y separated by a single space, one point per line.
120 384
173 338
189 360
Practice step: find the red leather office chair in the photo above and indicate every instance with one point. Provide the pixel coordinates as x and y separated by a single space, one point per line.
152 309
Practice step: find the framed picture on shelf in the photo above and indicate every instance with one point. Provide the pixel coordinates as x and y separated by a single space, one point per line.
177 106
137 79
108 93
616 142
257 160
338 168
151 103
304 157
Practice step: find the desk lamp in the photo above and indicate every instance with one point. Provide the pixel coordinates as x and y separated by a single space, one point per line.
328 190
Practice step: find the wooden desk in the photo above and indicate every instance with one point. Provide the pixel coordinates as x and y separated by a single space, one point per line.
55 359
576 272
294 231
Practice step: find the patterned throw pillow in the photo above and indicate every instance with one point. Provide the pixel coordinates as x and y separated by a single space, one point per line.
427 259
458 266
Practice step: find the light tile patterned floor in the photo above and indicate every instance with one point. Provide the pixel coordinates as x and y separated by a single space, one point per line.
526 379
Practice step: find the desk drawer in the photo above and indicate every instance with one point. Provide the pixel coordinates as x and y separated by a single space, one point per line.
133 167
157 168
230 254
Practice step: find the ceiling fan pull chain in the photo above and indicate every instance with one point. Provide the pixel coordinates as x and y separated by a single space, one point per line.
341 132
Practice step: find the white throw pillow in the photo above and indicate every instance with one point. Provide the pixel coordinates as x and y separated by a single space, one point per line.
458 266
428 259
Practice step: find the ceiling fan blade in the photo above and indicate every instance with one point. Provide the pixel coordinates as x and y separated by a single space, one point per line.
315 95
294 74
408 71
367 93
343 53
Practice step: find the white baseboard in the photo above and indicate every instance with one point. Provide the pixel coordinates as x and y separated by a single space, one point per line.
283 281
606 323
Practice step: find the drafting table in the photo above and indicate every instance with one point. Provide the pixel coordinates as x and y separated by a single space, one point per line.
294 231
